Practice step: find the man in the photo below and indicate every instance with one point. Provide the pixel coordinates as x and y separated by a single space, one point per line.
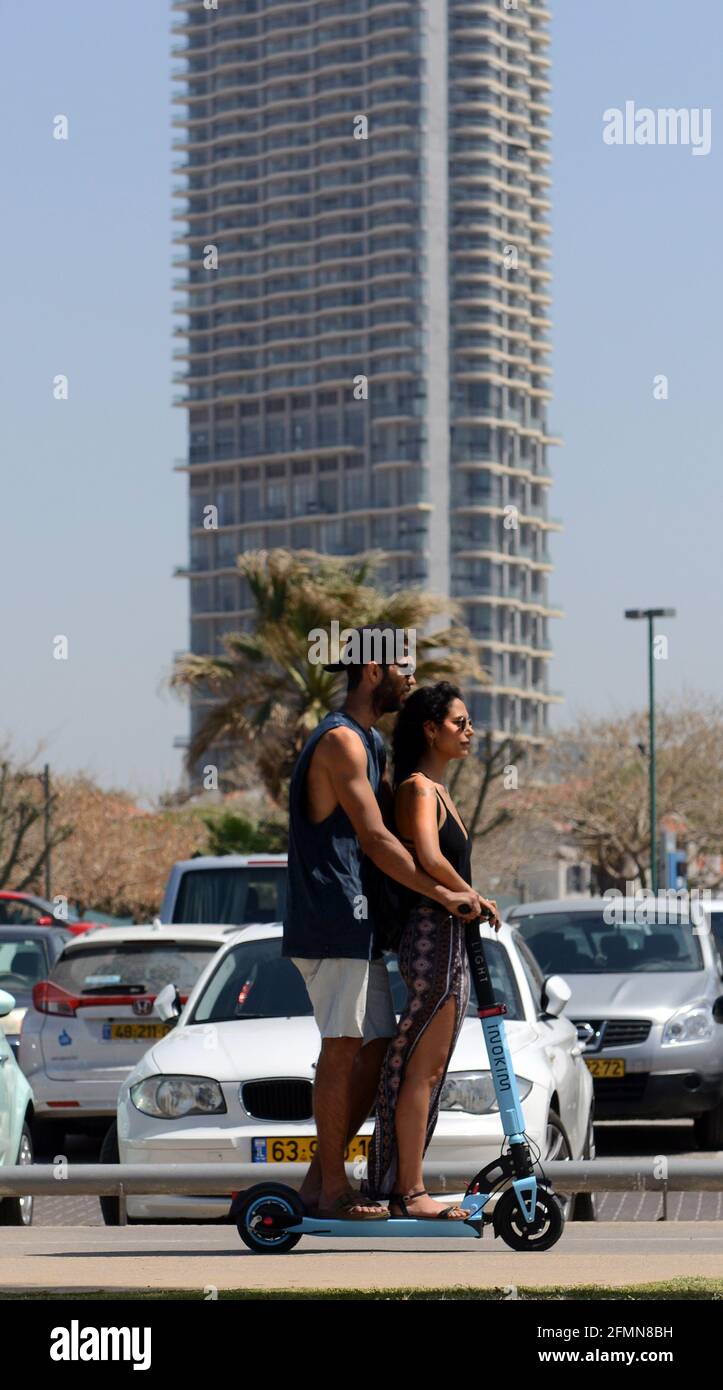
335 819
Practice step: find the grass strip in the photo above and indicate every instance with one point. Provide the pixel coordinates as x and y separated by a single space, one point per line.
679 1290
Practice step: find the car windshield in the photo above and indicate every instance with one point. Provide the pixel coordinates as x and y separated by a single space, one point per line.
254 980
234 895
22 963
716 921
134 965
583 943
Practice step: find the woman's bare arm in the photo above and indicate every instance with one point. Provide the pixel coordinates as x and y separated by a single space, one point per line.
417 811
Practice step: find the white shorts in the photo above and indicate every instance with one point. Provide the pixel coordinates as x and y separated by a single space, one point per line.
350 998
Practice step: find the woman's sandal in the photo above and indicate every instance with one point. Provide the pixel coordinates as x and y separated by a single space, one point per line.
401 1199
345 1208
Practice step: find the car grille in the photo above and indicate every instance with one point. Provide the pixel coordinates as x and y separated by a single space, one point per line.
620 1088
278 1100
621 1032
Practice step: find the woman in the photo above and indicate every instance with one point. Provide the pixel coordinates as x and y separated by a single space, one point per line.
432 730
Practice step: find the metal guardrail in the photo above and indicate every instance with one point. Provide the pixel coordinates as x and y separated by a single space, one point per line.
659 1174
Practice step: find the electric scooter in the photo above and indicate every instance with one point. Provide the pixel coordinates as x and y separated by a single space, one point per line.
525 1212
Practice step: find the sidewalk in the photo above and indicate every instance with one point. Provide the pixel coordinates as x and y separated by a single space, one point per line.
194 1257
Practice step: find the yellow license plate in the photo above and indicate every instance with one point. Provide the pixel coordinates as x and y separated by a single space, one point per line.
606 1066
145 1031
302 1150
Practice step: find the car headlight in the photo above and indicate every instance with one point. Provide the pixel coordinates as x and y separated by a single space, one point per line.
173 1097
474 1092
690 1025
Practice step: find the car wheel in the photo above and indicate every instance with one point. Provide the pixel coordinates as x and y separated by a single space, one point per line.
709 1128
110 1206
559 1150
585 1204
48 1137
18 1211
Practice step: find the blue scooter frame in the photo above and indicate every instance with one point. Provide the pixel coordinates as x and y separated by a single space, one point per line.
271 1219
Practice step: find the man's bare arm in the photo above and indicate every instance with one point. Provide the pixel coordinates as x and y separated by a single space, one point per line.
385 798
346 765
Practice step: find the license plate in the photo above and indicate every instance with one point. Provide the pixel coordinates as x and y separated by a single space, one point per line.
145 1032
606 1066
302 1150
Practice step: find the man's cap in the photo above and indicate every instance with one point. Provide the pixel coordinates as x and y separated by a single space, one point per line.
383 643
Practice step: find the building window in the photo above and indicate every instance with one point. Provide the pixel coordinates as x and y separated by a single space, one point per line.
275 436
304 495
328 429
226 503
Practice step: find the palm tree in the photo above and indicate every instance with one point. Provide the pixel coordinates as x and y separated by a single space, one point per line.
263 695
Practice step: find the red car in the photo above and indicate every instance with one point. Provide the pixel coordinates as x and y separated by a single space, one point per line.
27 910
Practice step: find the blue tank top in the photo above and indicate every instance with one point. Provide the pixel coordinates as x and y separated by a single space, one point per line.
327 910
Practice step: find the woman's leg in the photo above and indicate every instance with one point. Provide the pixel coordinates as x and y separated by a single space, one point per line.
424 1071
433 966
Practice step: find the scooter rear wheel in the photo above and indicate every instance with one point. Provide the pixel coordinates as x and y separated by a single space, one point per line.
258 1220
541 1233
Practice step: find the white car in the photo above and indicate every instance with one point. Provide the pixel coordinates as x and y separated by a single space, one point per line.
233 1081
94 1016
16 1108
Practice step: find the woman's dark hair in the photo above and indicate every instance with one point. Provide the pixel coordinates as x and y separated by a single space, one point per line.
408 741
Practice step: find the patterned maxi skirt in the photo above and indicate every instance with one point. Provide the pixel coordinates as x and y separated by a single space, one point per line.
433 964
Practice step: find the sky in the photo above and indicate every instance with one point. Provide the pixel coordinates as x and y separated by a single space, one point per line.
94 515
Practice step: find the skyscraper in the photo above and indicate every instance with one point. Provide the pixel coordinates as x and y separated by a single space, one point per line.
364 248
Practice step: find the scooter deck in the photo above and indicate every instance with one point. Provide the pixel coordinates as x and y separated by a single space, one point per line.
389 1228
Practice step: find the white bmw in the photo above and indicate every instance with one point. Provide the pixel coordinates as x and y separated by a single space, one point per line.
232 1082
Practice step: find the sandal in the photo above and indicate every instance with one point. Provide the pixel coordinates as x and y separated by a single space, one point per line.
346 1208
402 1198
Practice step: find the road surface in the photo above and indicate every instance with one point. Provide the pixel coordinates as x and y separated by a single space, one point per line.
207 1258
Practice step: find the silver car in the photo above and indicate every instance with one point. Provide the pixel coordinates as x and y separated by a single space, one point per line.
647 1000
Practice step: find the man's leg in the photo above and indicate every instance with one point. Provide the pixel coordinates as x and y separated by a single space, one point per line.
363 1080
351 1003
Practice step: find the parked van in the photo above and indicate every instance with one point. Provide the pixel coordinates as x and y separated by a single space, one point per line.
236 889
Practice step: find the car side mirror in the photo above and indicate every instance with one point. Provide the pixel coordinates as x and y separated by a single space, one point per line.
718 1009
7 1003
556 993
169 1004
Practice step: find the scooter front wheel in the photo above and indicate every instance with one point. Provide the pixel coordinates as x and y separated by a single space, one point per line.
541 1233
260 1220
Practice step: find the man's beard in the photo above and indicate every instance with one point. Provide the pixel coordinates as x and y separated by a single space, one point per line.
387 700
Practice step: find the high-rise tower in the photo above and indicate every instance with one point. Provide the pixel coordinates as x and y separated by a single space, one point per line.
366 365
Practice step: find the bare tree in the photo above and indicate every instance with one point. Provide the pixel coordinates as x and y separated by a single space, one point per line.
598 788
29 828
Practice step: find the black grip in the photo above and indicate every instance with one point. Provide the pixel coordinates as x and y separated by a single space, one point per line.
478 967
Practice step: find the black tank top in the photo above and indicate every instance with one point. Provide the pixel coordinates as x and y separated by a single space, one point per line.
454 844
327 908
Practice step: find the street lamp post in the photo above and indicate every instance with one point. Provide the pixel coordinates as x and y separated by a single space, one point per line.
651 614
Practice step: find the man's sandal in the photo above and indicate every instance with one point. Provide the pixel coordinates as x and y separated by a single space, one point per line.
347 1208
401 1199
